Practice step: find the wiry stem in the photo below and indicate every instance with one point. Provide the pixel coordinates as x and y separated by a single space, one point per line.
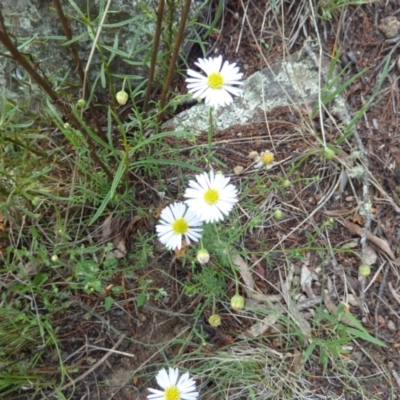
57 100
174 57
160 13
77 61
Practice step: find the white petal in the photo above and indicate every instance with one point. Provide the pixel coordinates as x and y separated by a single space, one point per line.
173 376
196 76
157 394
162 379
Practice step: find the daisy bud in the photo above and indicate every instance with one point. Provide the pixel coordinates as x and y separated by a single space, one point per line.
81 103
214 320
237 302
329 154
364 270
203 256
35 201
54 258
278 214
286 183
67 125
122 97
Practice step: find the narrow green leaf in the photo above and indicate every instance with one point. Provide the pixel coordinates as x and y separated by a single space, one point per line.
308 352
365 336
117 179
141 299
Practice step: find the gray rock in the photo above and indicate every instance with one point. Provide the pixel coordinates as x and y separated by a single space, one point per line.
36 29
292 81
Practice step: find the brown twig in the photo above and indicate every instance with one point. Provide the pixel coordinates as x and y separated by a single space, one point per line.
380 294
77 61
57 100
90 370
160 13
174 57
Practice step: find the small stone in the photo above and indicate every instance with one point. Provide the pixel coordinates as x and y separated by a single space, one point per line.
253 155
238 169
390 27
391 326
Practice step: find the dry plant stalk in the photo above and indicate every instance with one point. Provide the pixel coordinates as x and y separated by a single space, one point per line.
62 107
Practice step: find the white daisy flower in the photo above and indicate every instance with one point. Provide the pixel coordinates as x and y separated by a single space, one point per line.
265 160
216 88
174 389
178 220
211 197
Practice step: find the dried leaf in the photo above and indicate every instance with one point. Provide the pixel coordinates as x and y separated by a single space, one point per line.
297 366
381 243
244 271
306 281
260 327
117 230
107 229
294 313
351 245
249 282
338 213
31 268
306 276
370 255
358 219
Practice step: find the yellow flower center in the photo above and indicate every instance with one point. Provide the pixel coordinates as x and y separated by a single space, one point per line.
211 196
215 80
172 393
180 226
267 158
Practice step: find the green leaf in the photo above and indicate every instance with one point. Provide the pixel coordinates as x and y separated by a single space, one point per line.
117 179
365 336
308 352
141 299
115 50
108 302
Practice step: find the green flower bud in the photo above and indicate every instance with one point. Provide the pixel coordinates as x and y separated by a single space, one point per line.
278 214
214 320
122 97
35 201
286 183
329 154
81 103
54 258
203 256
364 270
237 302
